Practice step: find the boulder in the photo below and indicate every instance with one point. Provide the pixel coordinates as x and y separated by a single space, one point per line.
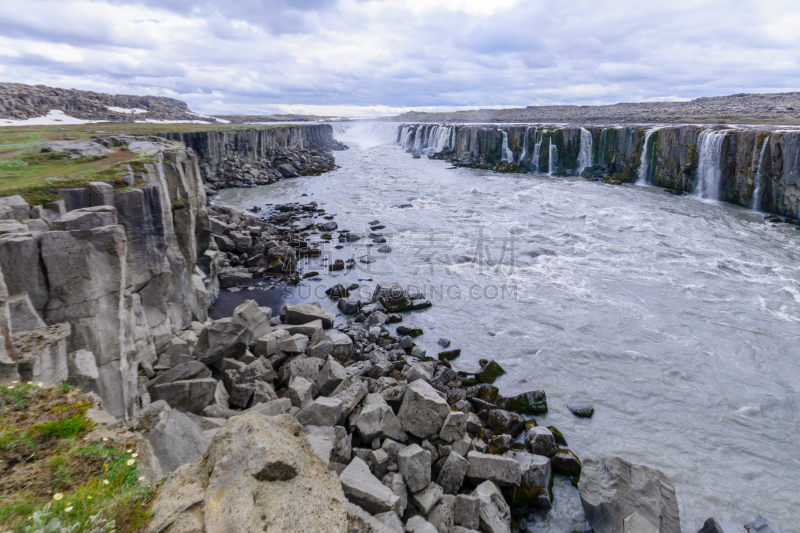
451 477
305 313
414 464
330 376
320 345
494 513
541 441
713 525
192 395
221 338
427 498
535 482
267 345
442 516
454 426
321 439
566 462
423 410
762 525
300 392
260 474
396 484
79 148
87 218
253 319
42 354
321 412
16 207
358 520
503 470
365 490
293 344
466 511
503 422
342 344
417 524
174 438
527 403
350 396
377 420
616 493
184 371
82 370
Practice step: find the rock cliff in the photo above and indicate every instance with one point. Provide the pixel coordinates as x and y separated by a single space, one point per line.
749 166
118 269
258 156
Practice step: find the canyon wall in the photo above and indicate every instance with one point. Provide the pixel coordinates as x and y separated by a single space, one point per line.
258 156
748 166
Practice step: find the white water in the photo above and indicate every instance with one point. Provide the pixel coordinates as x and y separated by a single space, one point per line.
678 320
709 173
552 163
603 137
644 164
585 156
524 146
508 155
537 149
759 178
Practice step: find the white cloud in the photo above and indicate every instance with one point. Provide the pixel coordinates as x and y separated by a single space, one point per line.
357 57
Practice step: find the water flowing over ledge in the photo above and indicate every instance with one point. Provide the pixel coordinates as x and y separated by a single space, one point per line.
748 166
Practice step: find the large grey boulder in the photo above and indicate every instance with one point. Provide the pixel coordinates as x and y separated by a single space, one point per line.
79 148
322 440
500 469
494 514
342 344
423 410
541 441
417 524
427 498
253 319
330 376
305 313
454 426
221 338
451 477
361 521
184 371
414 464
762 525
175 439
466 511
260 474
191 395
321 412
713 525
365 490
617 494
377 420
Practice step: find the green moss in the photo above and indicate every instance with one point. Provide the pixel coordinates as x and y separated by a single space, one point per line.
566 462
487 393
527 403
449 355
557 435
178 204
489 372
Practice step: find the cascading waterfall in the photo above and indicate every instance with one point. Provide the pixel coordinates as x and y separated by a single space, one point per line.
508 155
524 146
537 148
759 178
585 155
602 154
709 173
644 164
552 162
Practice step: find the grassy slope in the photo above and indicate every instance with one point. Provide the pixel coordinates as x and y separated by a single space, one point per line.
47 462
24 170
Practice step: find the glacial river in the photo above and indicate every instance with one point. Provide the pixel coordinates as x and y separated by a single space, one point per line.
678 320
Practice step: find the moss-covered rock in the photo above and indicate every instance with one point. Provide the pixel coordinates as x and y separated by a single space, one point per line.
566 462
582 411
521 497
489 372
559 437
527 403
487 393
449 355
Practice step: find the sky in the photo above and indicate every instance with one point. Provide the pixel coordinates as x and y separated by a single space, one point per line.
383 57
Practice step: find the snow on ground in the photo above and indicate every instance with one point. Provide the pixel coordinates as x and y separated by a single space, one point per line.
220 120
126 110
55 116
154 121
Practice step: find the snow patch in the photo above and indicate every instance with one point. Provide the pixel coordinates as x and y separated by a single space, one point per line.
55 116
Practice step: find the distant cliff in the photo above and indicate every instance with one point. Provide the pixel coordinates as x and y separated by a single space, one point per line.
749 166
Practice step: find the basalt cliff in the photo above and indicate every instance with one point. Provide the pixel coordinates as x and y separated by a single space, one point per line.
748 166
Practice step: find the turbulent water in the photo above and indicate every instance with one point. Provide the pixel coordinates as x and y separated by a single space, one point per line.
677 319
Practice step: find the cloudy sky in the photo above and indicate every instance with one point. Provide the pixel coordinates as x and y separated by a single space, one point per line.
355 57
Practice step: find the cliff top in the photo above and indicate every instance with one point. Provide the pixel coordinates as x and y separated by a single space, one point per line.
778 109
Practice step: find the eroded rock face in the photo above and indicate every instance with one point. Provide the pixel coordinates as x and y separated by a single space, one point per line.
618 495
260 474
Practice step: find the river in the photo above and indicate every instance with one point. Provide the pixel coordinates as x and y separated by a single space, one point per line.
678 319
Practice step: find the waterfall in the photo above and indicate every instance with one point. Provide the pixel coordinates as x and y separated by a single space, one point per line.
644 164
759 178
508 155
537 148
524 145
709 173
552 163
585 156
602 154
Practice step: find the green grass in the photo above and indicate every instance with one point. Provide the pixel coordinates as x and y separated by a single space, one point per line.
58 477
35 176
